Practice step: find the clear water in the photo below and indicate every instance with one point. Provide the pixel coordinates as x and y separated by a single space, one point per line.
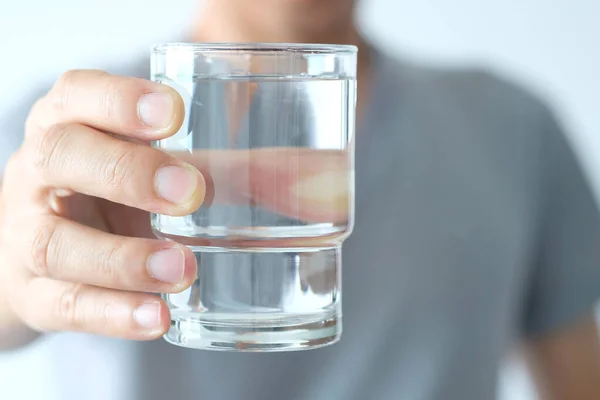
276 155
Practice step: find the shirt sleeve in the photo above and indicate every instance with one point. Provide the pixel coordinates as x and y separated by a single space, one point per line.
565 283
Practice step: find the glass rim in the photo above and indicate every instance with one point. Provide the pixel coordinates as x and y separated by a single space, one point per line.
259 48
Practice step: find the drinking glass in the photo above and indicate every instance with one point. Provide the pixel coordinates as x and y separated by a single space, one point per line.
271 128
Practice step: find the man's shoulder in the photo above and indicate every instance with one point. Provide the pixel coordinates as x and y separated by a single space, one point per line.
480 92
473 110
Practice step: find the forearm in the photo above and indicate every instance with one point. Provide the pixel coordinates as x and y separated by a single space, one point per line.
13 332
566 365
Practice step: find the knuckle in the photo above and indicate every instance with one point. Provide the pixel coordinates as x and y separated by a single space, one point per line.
108 312
43 238
67 78
112 264
46 148
109 100
69 305
117 169
62 89
67 84
133 253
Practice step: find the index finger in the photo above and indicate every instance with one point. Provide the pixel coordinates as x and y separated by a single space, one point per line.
126 106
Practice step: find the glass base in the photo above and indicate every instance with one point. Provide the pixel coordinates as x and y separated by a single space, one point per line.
259 299
284 334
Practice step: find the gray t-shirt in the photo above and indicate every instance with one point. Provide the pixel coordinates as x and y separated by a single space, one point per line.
474 227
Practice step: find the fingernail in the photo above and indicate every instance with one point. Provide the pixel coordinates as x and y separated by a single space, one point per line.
156 109
167 265
176 184
148 315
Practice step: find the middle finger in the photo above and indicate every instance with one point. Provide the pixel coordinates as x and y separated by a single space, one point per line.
65 250
82 159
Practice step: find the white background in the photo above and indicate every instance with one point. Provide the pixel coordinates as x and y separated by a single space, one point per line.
551 46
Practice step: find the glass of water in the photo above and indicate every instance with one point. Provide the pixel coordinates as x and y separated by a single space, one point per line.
271 127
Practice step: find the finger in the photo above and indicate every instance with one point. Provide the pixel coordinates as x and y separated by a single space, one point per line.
49 305
79 158
311 185
123 105
62 249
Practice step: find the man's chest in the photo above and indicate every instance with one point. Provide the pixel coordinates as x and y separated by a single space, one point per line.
443 231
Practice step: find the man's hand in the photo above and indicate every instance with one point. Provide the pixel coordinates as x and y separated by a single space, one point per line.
76 250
